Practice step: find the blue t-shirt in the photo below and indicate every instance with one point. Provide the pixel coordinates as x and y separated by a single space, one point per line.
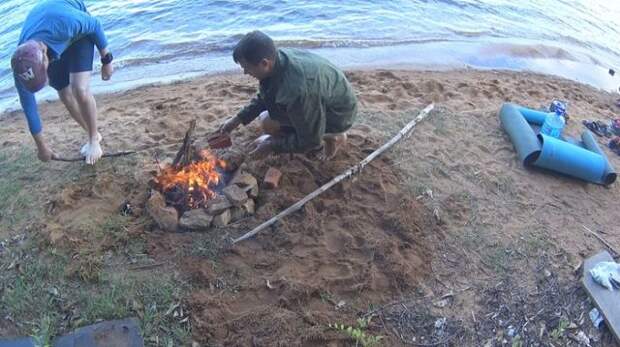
56 23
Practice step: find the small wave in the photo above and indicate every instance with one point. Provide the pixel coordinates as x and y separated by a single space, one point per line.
183 50
529 51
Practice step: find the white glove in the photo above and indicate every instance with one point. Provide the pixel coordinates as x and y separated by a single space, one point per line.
93 153
607 274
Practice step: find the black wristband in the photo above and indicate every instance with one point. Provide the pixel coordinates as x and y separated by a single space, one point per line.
107 59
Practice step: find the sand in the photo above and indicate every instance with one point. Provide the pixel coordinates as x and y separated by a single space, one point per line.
436 215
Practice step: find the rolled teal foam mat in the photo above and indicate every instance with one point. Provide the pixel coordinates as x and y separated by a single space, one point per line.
569 159
520 132
588 162
609 174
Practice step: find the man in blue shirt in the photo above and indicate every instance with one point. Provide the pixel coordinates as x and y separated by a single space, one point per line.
57 45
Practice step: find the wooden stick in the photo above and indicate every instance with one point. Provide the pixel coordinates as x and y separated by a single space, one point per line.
600 238
107 155
404 133
184 155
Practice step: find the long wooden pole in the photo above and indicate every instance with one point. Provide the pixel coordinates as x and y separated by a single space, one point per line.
403 133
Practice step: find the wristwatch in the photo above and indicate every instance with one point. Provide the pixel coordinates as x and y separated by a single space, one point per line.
107 59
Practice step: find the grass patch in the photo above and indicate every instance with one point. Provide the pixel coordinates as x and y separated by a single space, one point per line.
26 182
16 170
46 302
204 246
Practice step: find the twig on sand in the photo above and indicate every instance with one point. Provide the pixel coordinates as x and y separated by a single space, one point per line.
403 133
107 155
600 238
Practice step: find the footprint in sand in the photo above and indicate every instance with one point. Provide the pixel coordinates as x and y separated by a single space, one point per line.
157 137
378 98
534 93
336 271
335 242
388 74
410 87
433 86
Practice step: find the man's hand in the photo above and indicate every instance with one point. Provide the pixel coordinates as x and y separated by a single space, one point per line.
261 147
106 71
93 153
230 125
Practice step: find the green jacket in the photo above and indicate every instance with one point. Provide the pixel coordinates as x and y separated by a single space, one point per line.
308 93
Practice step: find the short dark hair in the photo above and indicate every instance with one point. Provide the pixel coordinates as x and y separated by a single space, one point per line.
254 47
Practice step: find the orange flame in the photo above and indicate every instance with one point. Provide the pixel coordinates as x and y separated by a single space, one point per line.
195 179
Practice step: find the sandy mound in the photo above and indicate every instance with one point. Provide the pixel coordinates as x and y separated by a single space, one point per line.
363 242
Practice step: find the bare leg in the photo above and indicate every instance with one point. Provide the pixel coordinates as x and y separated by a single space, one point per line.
80 88
333 142
67 98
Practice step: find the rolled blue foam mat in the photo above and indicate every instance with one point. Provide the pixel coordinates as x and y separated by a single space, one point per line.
520 132
532 116
569 159
609 174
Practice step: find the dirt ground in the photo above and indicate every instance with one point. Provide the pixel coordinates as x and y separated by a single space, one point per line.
446 240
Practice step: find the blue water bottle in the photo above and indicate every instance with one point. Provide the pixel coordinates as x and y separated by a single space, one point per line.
554 122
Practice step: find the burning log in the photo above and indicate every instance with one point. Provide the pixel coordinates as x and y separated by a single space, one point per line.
184 155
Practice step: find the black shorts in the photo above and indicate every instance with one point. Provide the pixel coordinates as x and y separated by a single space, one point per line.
77 58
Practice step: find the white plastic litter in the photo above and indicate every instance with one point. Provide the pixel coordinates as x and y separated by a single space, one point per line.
596 317
607 274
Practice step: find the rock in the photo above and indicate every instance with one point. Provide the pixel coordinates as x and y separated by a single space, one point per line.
583 338
222 219
250 207
238 213
341 304
166 217
272 178
235 195
218 204
248 183
233 160
442 303
196 220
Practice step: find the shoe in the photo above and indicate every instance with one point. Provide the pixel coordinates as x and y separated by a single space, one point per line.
593 127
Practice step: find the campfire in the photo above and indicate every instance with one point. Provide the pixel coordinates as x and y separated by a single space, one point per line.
191 186
199 190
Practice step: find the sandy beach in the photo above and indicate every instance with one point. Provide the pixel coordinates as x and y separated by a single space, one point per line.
448 224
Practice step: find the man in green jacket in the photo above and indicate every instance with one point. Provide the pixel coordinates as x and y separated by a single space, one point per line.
305 104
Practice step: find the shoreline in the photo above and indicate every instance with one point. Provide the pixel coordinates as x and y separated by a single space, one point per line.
216 96
528 57
192 78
